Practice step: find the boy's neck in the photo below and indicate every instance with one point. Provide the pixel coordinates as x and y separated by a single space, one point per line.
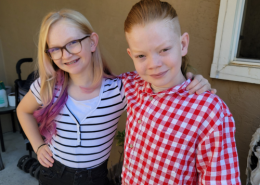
159 89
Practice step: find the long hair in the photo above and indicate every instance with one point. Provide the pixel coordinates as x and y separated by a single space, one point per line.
51 75
147 11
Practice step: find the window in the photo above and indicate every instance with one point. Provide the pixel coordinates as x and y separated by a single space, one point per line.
237 45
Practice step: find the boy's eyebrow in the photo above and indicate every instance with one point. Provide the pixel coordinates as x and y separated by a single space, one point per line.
166 44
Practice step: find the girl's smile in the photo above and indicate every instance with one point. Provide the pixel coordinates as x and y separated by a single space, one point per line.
72 62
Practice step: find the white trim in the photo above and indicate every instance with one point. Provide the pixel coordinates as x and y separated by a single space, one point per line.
225 65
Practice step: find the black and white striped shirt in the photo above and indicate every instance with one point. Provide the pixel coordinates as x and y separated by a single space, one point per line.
87 144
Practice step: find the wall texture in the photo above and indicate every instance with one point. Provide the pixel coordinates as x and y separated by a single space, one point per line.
20 21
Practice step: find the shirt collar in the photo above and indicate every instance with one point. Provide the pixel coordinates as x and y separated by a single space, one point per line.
179 89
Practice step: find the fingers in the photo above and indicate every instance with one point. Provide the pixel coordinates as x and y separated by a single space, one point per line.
197 83
44 156
189 75
213 91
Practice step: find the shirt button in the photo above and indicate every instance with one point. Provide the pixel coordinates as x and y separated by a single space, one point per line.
139 121
125 166
131 146
151 98
78 133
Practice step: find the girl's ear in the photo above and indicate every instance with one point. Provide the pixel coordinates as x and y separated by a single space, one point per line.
184 44
93 41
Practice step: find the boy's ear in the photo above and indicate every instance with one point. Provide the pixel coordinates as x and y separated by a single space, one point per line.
129 52
93 41
184 44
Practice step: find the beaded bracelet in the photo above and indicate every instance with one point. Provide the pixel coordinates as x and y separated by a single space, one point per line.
40 147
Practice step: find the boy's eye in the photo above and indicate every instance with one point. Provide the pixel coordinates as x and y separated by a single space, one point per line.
164 50
140 56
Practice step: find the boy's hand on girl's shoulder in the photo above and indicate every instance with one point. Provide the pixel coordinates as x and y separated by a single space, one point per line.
199 84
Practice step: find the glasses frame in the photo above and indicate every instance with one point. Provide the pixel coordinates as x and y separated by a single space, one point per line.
64 47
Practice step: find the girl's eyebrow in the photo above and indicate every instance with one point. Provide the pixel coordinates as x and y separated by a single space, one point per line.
67 41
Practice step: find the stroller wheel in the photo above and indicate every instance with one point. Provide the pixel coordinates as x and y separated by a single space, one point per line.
27 164
37 172
33 168
22 160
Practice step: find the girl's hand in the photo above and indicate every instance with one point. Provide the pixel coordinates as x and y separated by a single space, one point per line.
198 84
44 156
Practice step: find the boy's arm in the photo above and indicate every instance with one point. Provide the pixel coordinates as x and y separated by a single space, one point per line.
199 84
217 159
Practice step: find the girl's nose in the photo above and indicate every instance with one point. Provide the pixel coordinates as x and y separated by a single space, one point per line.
65 54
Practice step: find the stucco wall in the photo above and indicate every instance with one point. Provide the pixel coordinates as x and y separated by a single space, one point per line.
20 21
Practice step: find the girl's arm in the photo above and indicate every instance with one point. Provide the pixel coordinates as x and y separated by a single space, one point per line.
25 111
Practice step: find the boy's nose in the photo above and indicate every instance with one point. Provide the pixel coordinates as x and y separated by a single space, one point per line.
155 62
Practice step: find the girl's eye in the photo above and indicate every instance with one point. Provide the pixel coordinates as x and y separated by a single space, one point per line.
72 43
52 50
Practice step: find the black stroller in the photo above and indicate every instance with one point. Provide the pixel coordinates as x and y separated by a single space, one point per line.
26 163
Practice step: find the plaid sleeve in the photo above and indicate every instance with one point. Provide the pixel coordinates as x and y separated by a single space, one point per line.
125 77
217 159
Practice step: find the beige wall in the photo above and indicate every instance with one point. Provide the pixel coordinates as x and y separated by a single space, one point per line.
20 21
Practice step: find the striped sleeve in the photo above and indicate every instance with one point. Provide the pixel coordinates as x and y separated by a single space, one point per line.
35 89
122 91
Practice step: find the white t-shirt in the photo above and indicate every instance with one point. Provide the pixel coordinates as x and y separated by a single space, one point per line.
81 108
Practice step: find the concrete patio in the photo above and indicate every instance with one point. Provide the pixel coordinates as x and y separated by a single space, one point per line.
15 149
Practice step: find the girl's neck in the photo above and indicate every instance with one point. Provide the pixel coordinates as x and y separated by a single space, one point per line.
82 79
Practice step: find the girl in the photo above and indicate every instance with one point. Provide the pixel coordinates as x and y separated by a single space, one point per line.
172 137
76 101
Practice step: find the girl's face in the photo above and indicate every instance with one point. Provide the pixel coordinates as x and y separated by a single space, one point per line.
63 32
157 50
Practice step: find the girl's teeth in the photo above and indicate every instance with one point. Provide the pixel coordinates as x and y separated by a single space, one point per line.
72 62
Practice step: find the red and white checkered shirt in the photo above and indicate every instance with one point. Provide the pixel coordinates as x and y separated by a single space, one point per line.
173 137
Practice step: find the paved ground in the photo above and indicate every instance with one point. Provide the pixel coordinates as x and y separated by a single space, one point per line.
15 149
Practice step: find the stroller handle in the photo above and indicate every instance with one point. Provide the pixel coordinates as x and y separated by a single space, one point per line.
19 63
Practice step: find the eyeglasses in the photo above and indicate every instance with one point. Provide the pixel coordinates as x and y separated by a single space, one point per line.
72 47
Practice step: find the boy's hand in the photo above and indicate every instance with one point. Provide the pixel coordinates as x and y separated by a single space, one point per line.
198 84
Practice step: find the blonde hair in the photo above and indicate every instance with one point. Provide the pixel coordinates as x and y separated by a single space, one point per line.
47 69
147 11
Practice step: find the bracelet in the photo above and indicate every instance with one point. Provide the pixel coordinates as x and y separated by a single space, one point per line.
40 147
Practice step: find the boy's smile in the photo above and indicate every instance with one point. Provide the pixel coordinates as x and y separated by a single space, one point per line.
157 53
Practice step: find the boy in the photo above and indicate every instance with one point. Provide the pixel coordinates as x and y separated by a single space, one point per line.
172 137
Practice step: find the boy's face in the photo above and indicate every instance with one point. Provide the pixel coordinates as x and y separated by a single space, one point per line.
157 49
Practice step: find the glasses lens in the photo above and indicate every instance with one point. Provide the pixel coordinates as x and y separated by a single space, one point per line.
74 47
55 53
